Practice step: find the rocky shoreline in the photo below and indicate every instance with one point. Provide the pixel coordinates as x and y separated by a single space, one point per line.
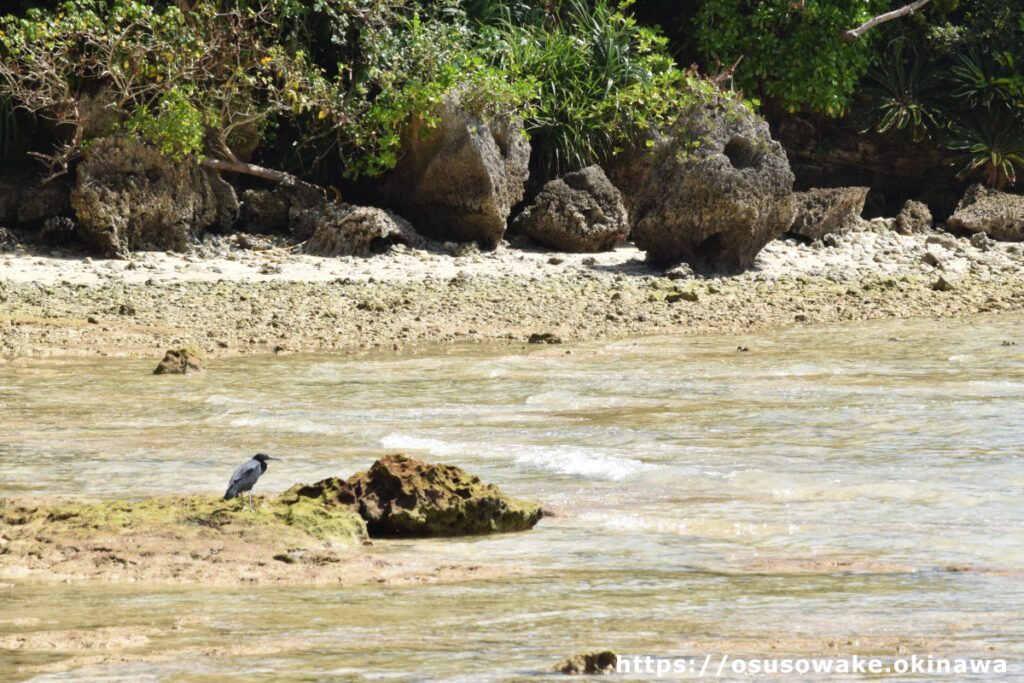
244 295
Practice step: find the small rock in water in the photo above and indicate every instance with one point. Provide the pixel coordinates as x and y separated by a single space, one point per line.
188 360
597 662
544 338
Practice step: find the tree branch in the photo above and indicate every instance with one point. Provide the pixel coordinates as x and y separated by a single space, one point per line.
855 33
286 179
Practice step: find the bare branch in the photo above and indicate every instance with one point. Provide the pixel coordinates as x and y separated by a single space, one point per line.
286 179
855 33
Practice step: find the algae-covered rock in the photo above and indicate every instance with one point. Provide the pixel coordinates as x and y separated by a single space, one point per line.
188 360
597 662
170 538
401 496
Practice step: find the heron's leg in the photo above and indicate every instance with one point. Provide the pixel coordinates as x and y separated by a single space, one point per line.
250 500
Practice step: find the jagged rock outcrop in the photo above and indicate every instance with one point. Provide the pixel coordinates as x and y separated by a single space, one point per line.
914 217
344 230
998 214
129 196
711 190
823 211
401 496
459 181
579 212
188 360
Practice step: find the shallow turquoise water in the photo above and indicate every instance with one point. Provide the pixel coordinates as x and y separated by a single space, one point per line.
811 493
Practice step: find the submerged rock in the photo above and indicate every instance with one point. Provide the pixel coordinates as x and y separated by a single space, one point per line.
188 360
999 214
401 496
824 211
129 196
579 212
712 190
597 662
459 180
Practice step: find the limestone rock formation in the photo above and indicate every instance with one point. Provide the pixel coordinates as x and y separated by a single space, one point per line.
823 211
344 230
459 181
711 190
914 217
999 214
400 496
579 212
188 360
128 196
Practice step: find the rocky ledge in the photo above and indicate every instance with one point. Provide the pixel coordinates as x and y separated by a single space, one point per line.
310 533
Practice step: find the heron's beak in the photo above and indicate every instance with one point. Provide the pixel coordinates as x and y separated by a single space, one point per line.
270 457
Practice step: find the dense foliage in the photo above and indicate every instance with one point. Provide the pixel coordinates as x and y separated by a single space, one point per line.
324 87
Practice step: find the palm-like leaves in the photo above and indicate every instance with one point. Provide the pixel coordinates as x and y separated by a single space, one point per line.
906 92
990 147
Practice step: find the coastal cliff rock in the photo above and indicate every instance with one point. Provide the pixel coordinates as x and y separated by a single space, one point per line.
711 190
401 496
998 214
459 181
823 211
579 212
129 196
345 230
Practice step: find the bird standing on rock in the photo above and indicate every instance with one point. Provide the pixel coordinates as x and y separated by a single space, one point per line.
246 475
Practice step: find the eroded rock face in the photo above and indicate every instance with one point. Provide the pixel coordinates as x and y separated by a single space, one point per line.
401 496
914 217
188 360
345 230
579 212
459 181
999 214
712 190
824 211
128 196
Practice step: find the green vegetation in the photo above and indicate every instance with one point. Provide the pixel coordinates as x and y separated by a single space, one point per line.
324 88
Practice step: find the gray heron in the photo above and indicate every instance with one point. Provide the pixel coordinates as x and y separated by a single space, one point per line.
246 475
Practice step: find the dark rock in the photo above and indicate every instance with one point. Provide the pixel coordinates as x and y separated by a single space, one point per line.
544 338
589 663
999 214
712 190
264 211
188 360
129 196
914 217
58 231
400 496
41 202
826 211
460 180
943 285
344 230
579 212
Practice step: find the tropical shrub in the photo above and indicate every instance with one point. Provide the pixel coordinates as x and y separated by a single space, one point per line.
790 51
602 78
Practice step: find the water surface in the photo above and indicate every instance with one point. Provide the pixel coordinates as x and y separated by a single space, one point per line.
851 489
